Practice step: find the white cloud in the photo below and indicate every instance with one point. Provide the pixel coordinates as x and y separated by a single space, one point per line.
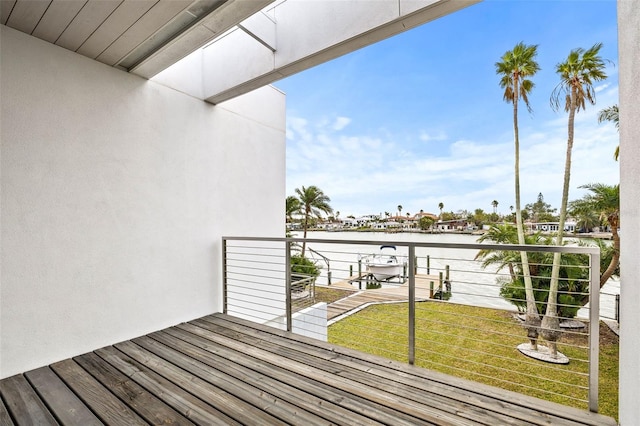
341 123
371 174
426 137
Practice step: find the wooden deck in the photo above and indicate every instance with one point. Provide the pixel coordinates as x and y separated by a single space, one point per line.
223 370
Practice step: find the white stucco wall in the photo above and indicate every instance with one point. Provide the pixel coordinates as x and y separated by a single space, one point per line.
115 194
629 61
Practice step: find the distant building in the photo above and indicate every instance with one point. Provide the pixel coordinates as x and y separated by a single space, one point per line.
453 225
569 226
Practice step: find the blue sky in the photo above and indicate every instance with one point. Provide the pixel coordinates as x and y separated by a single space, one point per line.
419 118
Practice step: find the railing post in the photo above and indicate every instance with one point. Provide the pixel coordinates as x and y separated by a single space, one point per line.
224 276
412 305
428 265
594 330
287 274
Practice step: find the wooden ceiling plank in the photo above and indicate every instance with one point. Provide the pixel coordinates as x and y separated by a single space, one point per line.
5 9
116 24
163 12
92 15
56 19
26 14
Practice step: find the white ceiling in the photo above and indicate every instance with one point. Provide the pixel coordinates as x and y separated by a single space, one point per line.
128 34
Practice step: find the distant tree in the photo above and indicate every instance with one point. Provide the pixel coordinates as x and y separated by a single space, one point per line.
540 211
586 220
425 223
314 202
494 203
441 206
479 217
611 114
399 209
578 73
448 216
515 69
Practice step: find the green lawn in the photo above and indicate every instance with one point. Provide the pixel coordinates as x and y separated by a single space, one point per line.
480 344
331 294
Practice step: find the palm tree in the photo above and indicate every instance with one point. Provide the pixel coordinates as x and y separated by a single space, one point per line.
500 234
441 206
292 207
313 202
611 114
586 218
577 75
515 69
575 283
399 209
604 199
494 203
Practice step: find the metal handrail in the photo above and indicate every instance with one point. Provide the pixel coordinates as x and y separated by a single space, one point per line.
594 287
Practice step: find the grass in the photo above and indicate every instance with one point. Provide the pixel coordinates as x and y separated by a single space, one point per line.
480 344
331 294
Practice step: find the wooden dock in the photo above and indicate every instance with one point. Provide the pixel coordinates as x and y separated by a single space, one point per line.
221 370
399 293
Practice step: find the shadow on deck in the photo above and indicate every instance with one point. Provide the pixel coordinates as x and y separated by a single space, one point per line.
224 370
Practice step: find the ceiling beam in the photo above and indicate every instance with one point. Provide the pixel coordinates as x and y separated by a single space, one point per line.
226 16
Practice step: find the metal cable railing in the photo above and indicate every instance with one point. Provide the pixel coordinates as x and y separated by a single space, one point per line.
439 307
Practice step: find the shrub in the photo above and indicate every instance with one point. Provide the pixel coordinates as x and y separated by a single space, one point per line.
304 266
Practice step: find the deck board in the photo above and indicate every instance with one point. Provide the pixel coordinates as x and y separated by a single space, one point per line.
371 402
61 401
391 403
387 381
377 370
224 370
146 405
98 399
23 403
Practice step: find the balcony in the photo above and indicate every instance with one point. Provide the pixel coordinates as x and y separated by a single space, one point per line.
246 366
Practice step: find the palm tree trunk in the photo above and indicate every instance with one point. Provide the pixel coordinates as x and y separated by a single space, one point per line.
532 318
304 235
615 259
616 255
550 330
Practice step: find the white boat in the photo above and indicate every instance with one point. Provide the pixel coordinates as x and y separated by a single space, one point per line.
385 265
